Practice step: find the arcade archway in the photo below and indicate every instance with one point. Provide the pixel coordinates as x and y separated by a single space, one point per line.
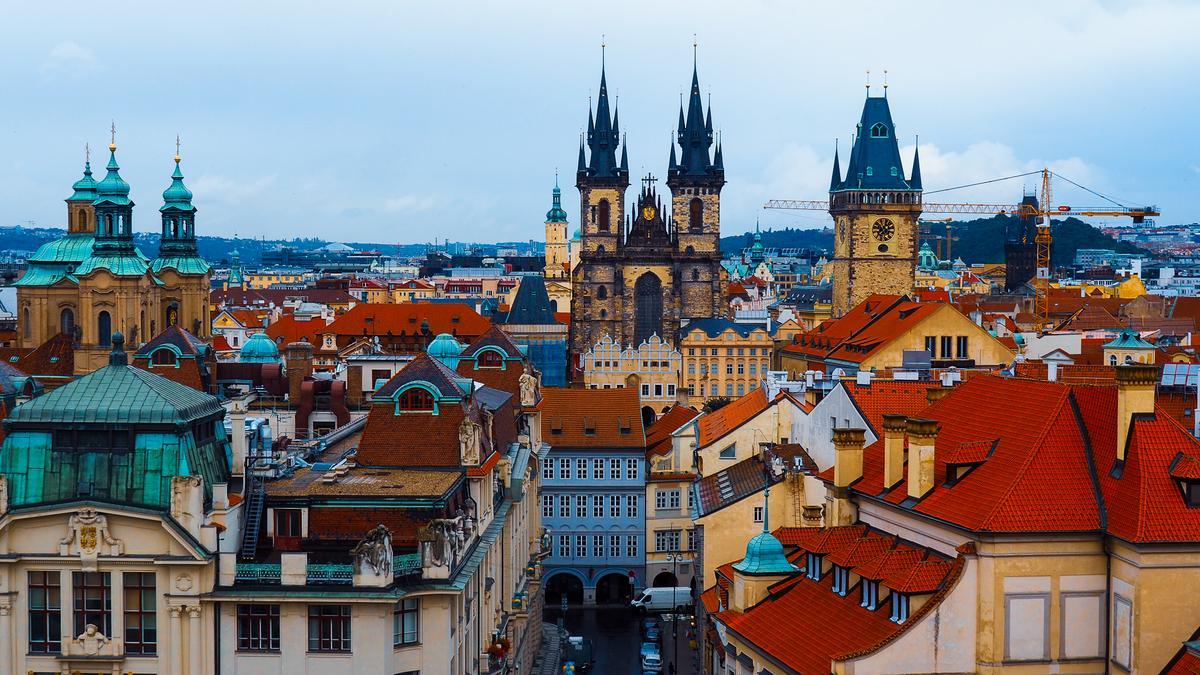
614 588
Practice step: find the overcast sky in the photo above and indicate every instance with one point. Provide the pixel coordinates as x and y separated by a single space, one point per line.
399 121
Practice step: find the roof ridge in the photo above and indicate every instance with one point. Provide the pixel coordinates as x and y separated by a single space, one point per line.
1026 461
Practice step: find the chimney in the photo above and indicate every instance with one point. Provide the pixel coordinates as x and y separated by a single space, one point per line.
893 449
848 456
935 394
863 378
847 468
1135 395
299 358
237 424
921 437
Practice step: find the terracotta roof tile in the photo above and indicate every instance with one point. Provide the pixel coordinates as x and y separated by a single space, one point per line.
716 424
888 397
409 318
658 435
592 418
288 329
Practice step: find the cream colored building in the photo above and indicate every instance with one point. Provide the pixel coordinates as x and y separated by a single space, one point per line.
723 359
652 367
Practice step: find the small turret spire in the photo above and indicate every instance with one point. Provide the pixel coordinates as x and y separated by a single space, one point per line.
118 357
914 180
836 179
582 158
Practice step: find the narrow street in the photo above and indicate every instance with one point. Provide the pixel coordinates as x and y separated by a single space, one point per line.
615 634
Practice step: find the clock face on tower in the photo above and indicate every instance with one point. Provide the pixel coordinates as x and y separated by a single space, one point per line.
648 212
883 229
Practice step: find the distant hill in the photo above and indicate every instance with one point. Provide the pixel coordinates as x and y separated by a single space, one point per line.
979 241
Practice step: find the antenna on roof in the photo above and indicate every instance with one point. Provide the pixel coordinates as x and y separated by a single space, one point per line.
885 82
868 83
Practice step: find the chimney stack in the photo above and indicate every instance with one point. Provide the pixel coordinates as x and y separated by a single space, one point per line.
921 437
893 449
847 468
299 364
935 394
848 456
1136 384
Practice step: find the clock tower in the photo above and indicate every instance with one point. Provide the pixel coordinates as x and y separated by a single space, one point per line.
875 211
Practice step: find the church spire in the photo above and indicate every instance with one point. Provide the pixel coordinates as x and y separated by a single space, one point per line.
177 248
695 134
836 179
914 180
603 136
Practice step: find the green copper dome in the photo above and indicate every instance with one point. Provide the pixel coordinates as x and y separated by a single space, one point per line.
259 349
556 214
177 196
85 188
113 189
764 555
446 349
1128 339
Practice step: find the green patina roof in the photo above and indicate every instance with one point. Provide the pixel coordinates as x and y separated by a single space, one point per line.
46 275
764 555
120 265
73 248
187 264
446 349
118 394
259 349
556 214
1128 339
113 189
85 188
177 196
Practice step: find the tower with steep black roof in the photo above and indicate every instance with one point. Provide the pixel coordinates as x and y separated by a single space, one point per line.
875 210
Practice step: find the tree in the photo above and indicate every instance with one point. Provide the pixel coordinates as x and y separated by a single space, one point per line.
716 403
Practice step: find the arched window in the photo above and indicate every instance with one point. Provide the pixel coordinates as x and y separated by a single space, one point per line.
603 314
1112 360
602 292
696 214
27 329
66 321
603 216
164 357
879 131
648 307
1128 359
554 306
695 274
104 329
489 359
416 399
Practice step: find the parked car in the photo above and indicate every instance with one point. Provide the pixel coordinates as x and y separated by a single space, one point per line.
650 622
579 650
651 658
654 634
666 599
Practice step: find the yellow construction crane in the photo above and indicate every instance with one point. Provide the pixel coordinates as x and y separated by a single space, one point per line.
1043 212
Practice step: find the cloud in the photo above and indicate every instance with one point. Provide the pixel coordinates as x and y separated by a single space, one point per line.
409 204
69 58
211 187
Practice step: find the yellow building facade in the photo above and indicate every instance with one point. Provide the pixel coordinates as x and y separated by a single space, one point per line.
723 359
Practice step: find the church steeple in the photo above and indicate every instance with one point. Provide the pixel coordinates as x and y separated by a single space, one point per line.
695 134
80 217
178 249
914 180
114 210
603 137
836 179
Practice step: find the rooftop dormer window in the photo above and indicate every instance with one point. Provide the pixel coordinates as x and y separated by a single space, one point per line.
841 580
489 359
415 400
870 595
164 358
879 131
812 566
899 607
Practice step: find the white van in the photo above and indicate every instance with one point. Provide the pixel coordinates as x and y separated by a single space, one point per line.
666 599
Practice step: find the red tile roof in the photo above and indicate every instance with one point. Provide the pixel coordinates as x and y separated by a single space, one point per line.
887 397
592 418
220 343
1187 660
715 425
658 435
792 623
408 318
292 330
236 297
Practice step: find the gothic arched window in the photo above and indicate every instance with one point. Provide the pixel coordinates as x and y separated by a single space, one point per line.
696 214
695 274
879 131
104 329
649 307
66 321
602 292
28 327
416 399
603 216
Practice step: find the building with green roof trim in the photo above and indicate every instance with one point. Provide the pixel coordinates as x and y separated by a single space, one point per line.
120 434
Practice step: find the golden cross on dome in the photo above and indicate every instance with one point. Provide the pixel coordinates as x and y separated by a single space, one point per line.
112 144
177 148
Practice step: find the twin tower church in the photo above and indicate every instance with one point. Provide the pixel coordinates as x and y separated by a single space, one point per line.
651 269
94 282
